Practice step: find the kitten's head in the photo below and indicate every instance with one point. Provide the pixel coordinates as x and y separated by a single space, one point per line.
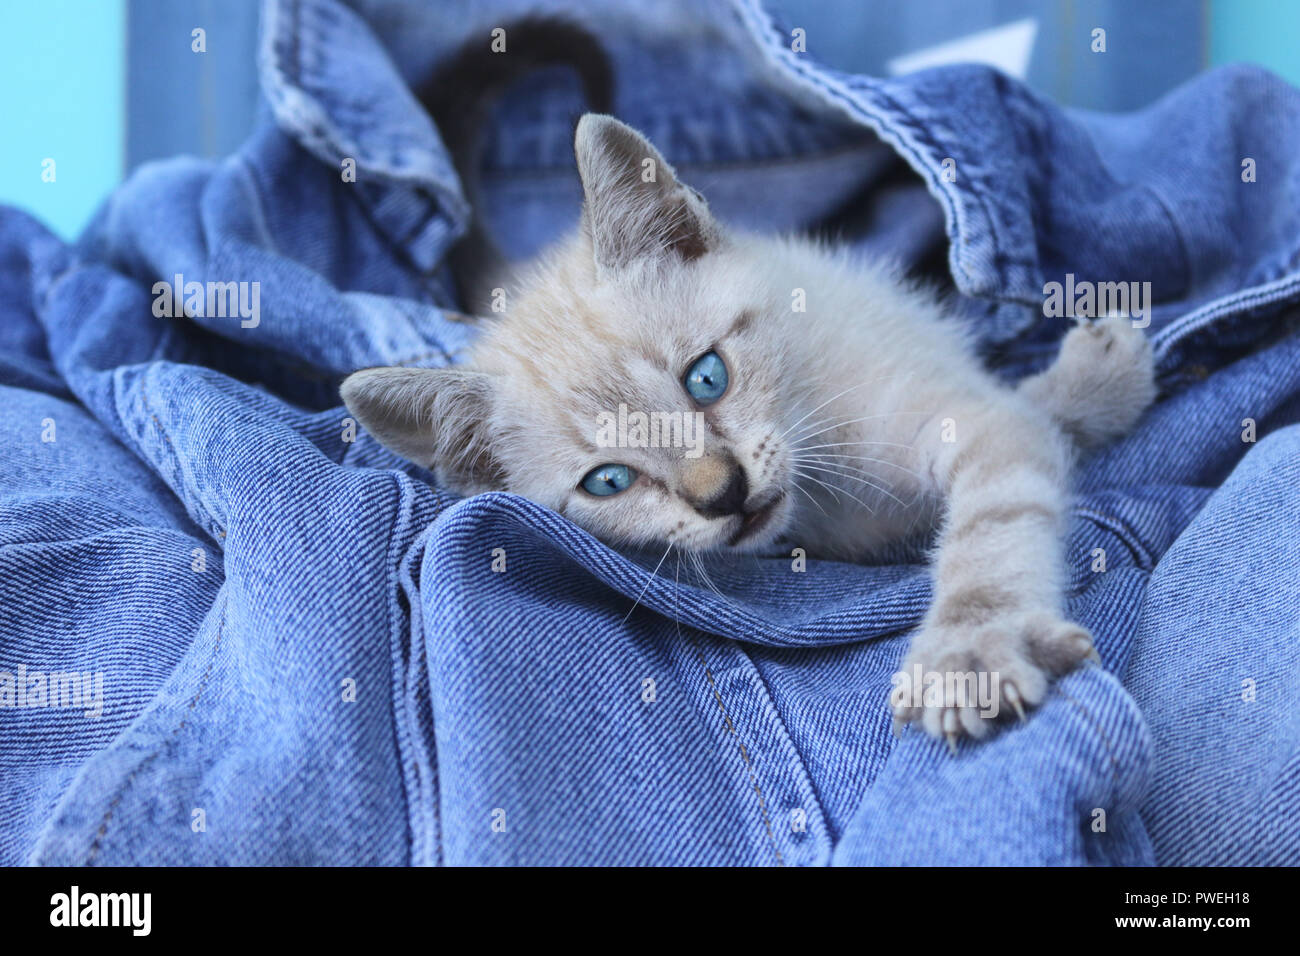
634 381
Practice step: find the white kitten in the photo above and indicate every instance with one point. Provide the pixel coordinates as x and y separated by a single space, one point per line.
842 426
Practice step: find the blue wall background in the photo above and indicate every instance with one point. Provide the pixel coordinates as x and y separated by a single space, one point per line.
62 97
101 86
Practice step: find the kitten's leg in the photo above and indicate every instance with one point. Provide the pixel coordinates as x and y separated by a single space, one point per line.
998 571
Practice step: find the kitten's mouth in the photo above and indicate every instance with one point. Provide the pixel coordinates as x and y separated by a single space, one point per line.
755 521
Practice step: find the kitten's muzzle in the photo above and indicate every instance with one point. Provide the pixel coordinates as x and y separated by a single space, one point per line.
729 496
756 518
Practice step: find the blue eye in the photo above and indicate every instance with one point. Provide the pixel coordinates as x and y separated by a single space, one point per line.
706 380
608 480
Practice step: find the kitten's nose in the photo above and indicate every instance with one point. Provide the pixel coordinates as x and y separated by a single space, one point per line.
727 496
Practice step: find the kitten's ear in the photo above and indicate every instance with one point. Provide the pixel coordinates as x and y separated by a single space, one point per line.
435 417
635 206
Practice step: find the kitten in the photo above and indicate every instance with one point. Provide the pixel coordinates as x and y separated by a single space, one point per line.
842 427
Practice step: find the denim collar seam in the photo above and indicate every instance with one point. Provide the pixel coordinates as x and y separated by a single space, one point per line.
368 208
828 88
1180 330
921 133
307 122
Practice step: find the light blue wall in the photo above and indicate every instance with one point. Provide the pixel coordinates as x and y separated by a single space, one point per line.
1266 32
62 97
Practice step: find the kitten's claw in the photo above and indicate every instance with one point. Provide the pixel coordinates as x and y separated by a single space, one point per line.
951 730
1013 698
1013 659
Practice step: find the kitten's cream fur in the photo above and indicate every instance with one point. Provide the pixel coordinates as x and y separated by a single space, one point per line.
853 422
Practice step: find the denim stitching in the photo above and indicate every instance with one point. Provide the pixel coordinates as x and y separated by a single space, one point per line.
424 356
744 754
1230 305
112 807
731 728
913 135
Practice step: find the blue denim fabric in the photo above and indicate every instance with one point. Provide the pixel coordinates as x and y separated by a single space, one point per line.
509 716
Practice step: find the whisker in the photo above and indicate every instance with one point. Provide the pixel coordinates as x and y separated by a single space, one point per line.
854 421
833 491
647 583
878 461
880 488
823 405
838 444
698 560
871 381
811 498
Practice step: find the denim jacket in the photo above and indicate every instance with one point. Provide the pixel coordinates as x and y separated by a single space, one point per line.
307 652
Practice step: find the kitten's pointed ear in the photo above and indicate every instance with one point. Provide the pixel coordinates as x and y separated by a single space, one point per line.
635 206
437 418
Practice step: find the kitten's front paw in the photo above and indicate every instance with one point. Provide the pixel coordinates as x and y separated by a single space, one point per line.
959 681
